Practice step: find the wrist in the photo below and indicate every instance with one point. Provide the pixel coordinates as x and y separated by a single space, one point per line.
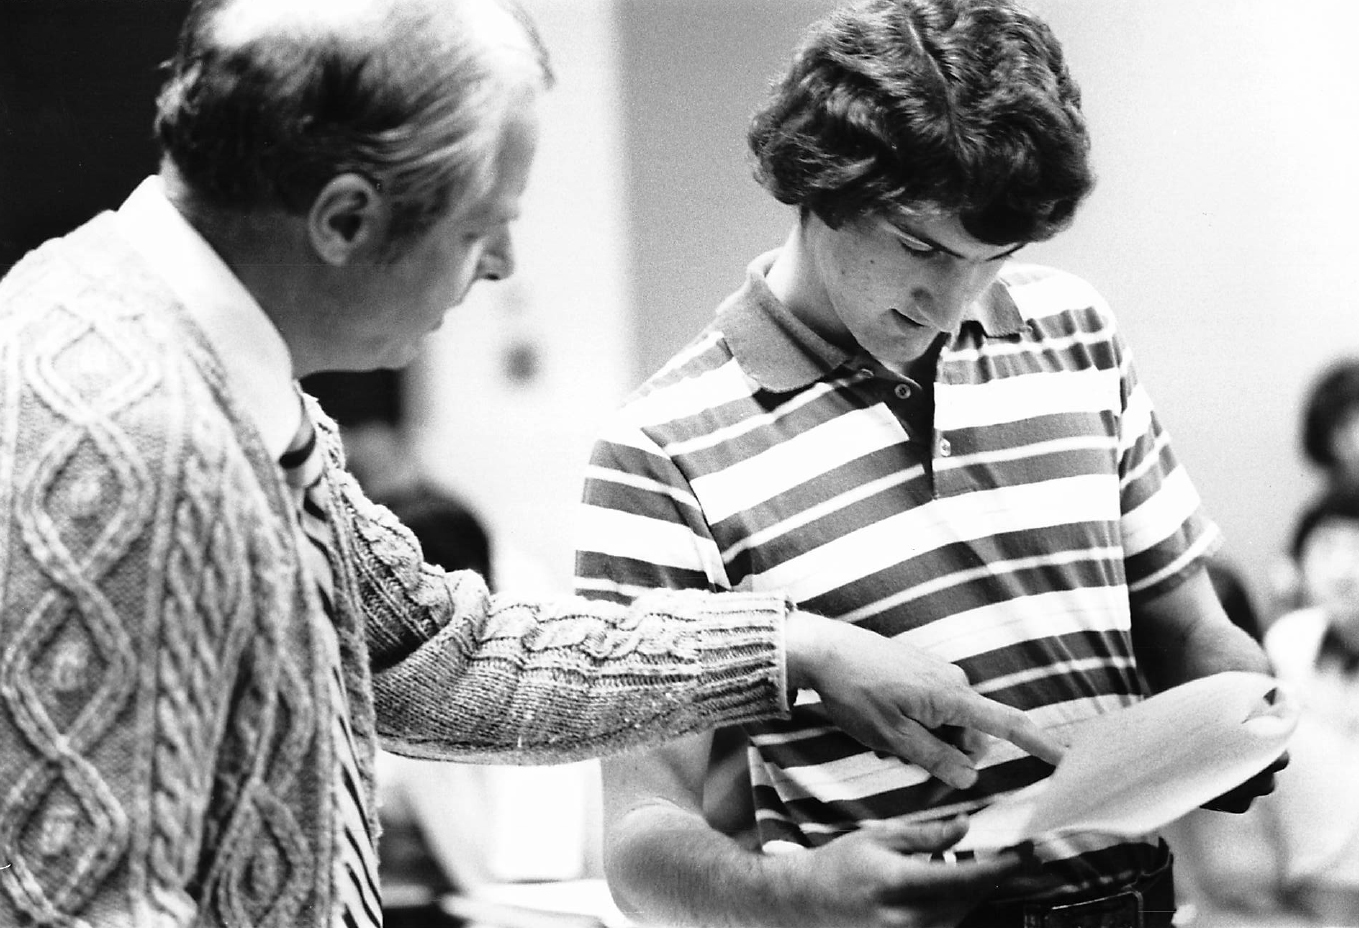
806 650
787 903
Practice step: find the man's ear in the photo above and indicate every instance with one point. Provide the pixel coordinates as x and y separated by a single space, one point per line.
349 218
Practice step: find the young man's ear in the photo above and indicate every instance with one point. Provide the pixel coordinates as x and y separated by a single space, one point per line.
349 219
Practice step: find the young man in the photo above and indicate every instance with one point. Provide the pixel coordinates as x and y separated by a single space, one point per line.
898 426
206 625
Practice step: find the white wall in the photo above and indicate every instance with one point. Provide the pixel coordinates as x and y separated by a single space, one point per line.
1222 230
516 449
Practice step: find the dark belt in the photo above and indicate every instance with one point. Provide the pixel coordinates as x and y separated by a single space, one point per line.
1147 903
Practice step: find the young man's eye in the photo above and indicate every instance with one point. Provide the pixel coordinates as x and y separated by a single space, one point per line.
920 249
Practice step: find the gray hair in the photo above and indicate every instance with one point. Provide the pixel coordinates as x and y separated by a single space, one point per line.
267 100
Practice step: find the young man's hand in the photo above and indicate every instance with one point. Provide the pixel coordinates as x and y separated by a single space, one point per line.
868 877
1240 798
889 695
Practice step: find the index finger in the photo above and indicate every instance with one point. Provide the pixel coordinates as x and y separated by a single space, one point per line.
977 711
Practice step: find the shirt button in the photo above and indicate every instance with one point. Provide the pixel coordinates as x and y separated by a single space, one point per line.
945 448
903 391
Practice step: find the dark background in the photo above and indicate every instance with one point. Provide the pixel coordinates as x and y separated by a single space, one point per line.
78 81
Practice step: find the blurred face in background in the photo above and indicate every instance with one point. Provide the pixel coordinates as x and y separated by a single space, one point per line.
1330 573
1345 448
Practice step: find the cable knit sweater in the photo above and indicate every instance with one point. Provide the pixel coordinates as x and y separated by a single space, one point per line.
164 757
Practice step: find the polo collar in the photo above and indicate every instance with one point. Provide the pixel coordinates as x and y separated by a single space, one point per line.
782 354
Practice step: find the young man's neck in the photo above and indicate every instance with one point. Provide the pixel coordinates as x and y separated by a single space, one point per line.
794 282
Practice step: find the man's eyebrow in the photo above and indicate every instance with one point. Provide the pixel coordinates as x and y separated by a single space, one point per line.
904 232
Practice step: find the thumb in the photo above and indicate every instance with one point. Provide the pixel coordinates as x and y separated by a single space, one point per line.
913 837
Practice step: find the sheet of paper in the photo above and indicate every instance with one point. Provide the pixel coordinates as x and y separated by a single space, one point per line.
1137 769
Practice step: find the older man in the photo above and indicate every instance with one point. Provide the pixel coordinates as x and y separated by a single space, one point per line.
206 625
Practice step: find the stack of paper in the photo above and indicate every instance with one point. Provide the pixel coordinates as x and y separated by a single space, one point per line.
1138 769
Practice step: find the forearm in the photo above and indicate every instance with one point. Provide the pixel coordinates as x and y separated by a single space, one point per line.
666 866
1185 634
546 682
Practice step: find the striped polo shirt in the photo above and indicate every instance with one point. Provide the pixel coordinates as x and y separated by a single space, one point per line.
1004 517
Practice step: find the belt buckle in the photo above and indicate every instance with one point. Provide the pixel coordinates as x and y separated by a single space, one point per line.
1121 910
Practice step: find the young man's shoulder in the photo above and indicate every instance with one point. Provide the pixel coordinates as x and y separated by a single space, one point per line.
701 391
701 364
1040 291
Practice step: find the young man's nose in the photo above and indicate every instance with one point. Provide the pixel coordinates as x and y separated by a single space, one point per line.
950 291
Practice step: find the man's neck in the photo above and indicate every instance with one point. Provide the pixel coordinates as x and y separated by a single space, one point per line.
794 283
267 253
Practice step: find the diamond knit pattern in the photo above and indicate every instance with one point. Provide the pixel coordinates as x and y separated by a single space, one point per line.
140 573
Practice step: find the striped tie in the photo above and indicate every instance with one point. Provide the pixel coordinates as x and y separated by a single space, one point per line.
355 861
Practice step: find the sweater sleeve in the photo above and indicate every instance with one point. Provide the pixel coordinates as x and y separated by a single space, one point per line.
461 674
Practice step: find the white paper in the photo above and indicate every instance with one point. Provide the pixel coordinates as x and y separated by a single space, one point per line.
1137 769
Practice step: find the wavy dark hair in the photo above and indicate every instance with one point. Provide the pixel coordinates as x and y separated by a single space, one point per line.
905 106
260 111
1332 400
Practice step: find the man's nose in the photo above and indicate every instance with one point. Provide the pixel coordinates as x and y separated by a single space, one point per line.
497 261
950 290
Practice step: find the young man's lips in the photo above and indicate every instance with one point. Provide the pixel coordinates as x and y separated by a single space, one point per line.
905 318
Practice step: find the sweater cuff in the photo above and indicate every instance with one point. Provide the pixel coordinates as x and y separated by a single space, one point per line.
743 660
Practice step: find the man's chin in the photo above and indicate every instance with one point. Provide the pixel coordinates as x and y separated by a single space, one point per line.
399 356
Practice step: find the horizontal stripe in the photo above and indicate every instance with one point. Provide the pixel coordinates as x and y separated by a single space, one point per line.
983 449
780 467
695 394
1198 549
958 578
1067 346
632 486
1161 514
901 536
614 532
1015 399
803 516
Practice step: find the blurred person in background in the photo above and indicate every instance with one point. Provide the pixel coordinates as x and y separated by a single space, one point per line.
907 430
207 624
1329 441
1315 650
1330 424
1228 866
